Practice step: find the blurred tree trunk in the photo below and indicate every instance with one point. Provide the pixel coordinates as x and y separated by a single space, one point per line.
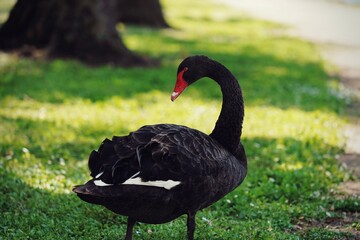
81 29
141 12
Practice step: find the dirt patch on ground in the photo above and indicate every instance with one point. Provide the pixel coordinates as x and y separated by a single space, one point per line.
345 222
348 222
351 158
352 162
351 188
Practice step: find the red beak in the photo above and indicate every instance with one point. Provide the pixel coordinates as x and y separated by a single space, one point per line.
180 85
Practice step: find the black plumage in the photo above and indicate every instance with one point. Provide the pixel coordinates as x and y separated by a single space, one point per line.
163 171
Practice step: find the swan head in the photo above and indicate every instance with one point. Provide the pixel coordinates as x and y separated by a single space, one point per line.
189 71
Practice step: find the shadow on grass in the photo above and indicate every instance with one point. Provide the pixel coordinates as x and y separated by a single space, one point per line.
33 213
266 80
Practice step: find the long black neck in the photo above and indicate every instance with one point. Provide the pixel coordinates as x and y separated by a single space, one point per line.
228 127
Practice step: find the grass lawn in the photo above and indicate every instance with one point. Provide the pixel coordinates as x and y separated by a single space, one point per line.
54 113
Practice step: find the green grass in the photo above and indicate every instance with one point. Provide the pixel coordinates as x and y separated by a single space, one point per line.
53 113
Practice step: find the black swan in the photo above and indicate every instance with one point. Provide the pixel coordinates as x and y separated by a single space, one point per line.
160 172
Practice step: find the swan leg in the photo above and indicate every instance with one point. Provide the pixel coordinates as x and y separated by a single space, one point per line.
191 225
130 224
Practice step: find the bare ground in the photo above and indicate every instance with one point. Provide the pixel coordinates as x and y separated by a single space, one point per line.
344 222
351 158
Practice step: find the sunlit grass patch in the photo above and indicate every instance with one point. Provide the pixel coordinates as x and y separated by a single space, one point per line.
294 123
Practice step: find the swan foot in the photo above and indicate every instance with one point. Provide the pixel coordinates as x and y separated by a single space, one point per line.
130 224
191 225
